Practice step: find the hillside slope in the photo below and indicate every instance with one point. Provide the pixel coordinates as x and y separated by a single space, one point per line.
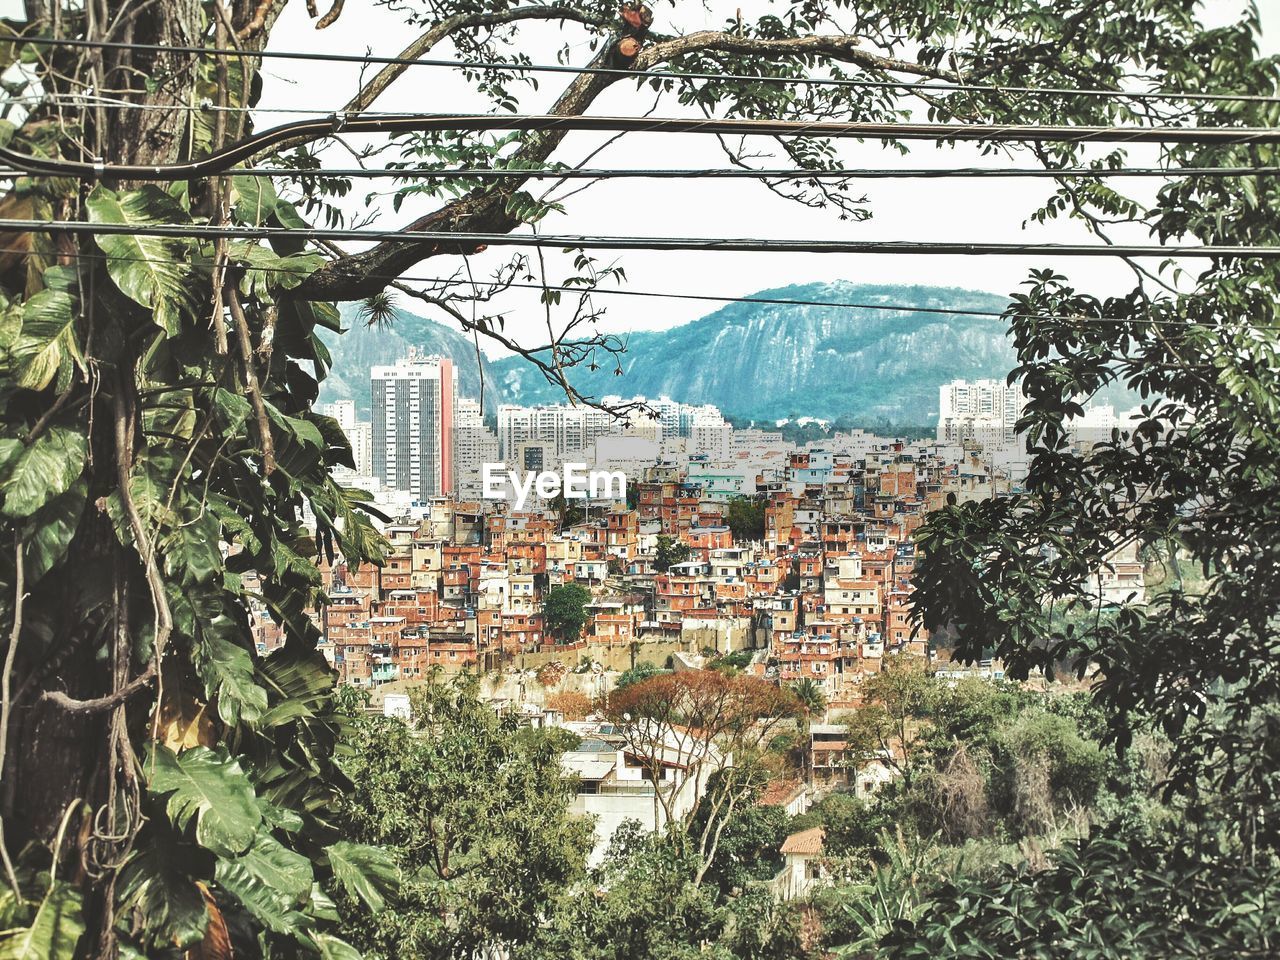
770 361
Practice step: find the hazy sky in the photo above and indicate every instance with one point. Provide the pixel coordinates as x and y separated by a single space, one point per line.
972 210
902 210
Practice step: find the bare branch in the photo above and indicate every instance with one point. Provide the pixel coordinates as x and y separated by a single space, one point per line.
330 18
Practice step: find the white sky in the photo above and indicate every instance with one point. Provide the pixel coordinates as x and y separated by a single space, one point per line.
970 210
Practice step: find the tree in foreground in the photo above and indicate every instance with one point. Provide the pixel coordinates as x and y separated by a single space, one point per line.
475 811
164 785
710 728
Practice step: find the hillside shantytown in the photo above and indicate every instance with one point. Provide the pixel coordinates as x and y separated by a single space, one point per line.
791 563
605 480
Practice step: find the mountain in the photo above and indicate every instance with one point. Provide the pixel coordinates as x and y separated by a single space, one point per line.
769 361
752 360
364 346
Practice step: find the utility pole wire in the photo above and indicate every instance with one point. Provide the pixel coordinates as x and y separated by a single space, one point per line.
464 244
907 85
734 173
221 161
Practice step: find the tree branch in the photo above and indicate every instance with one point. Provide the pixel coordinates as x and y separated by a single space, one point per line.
420 47
363 274
101 704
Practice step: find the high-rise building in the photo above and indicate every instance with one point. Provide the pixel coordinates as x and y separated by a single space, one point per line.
413 416
983 410
360 436
564 428
344 411
474 445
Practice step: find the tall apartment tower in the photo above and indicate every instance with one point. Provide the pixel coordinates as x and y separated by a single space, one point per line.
413 412
978 409
474 445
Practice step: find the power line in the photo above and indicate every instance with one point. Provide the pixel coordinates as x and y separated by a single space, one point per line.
907 85
735 173
664 295
221 160
467 243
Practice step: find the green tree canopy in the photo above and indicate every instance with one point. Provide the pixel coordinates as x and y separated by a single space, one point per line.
475 811
745 517
670 552
564 612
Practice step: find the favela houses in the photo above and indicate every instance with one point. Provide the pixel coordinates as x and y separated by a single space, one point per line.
616 481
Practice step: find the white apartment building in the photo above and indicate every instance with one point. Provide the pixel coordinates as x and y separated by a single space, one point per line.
474 445
359 435
564 428
413 416
982 410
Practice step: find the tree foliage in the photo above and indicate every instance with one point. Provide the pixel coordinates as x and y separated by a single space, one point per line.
474 811
745 517
168 788
669 552
564 612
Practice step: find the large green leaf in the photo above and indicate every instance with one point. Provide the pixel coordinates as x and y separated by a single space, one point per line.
227 671
331 948
266 270
253 199
154 272
272 882
44 470
210 787
365 872
156 884
54 932
54 527
46 346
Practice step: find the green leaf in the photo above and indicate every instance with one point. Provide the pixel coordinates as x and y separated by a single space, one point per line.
227 671
271 882
210 787
42 471
253 199
365 872
331 948
154 272
46 347
55 526
275 865
155 882
54 932
266 270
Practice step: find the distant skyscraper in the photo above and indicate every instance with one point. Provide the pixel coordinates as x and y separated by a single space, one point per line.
474 445
983 410
361 437
344 411
413 406
565 429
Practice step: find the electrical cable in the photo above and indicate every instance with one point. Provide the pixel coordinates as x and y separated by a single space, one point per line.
467 243
909 85
220 161
735 173
664 295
